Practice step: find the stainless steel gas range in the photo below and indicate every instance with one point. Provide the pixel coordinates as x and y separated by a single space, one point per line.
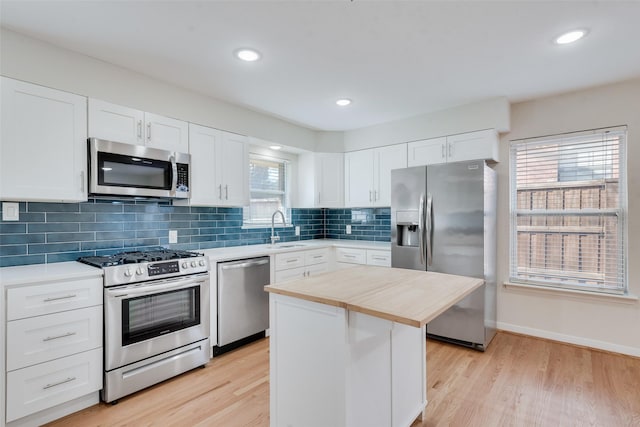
156 317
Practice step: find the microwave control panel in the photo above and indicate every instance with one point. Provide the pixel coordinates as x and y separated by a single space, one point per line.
183 177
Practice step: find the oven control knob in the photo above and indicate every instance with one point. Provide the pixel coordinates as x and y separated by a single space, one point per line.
139 271
128 272
185 265
202 263
194 264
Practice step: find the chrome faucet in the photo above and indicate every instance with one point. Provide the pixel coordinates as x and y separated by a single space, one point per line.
275 238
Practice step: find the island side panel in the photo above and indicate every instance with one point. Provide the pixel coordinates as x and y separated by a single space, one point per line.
409 372
308 356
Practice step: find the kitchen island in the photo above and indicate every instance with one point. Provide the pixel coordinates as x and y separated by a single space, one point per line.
348 347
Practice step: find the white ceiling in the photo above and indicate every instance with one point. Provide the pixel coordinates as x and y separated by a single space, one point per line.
395 59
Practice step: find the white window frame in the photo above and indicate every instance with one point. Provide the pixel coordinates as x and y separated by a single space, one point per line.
621 212
248 222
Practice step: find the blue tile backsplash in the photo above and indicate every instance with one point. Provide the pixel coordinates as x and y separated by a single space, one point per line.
55 232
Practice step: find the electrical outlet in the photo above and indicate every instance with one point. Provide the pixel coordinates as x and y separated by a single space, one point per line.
173 236
297 230
10 211
348 228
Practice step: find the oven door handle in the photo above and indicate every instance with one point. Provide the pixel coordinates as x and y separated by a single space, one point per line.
146 290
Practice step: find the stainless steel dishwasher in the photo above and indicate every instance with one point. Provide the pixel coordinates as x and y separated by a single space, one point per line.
243 305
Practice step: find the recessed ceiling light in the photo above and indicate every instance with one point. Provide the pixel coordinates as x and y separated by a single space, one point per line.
343 102
248 55
571 36
275 147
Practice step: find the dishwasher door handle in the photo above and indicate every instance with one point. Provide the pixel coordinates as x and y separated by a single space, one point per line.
244 264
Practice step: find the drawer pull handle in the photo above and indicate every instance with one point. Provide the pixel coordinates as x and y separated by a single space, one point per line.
68 380
349 256
380 258
68 334
59 298
318 256
293 260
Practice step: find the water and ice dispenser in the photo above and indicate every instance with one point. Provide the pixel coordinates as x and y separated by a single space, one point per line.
407 230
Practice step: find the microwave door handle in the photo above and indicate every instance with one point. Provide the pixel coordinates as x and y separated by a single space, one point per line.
174 175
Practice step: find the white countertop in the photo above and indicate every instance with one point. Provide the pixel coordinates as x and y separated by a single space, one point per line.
43 273
236 252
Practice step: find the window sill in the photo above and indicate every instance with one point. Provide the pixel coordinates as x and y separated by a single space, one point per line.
628 299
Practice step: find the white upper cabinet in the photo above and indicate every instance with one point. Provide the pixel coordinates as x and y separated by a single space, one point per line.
123 124
473 146
455 148
219 167
320 180
43 150
427 152
368 175
329 178
232 170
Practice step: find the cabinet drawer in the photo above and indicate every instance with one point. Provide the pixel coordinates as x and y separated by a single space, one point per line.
289 260
351 256
28 301
290 274
39 339
316 256
380 258
49 384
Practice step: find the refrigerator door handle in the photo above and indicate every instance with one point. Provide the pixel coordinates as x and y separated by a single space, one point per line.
421 229
428 229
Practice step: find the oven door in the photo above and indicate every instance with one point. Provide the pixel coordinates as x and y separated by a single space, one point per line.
131 170
149 318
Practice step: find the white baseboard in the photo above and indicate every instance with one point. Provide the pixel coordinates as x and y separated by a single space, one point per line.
570 339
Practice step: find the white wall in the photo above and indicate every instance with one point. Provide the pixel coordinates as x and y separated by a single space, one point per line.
597 322
28 59
493 113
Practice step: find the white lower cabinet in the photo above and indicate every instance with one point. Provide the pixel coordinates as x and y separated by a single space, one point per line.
354 369
349 257
300 264
45 385
54 349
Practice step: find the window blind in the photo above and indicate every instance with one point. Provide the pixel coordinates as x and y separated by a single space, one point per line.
568 211
268 182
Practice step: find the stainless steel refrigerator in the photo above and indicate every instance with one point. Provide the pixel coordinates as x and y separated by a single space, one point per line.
443 219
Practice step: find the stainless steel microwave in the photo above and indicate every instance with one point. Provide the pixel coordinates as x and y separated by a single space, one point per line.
135 170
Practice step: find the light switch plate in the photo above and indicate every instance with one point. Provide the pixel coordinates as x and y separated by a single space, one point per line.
297 230
348 228
10 211
173 236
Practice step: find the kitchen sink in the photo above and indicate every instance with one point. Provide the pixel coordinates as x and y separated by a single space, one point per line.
289 246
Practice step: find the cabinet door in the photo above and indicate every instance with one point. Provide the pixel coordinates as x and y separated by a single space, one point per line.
43 146
166 133
232 170
329 180
358 183
291 274
387 158
427 152
115 122
478 145
203 142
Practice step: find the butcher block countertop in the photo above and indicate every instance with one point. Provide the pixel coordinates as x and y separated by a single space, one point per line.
405 296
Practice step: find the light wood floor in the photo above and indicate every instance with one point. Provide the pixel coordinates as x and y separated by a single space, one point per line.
518 381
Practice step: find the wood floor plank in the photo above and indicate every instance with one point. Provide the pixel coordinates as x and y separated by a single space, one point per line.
518 381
